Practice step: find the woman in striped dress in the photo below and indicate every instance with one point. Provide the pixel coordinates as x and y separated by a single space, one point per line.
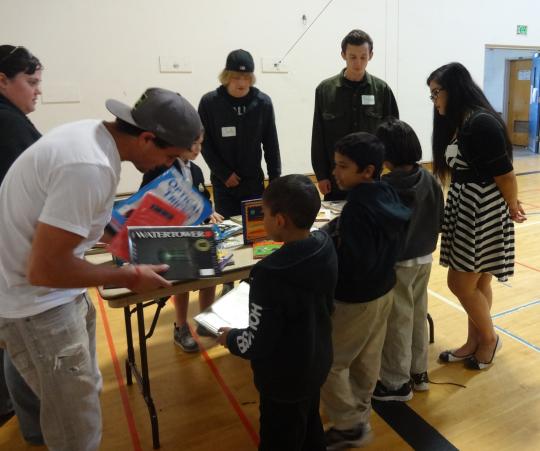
471 144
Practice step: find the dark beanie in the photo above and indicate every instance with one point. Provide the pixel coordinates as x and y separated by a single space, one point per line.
240 61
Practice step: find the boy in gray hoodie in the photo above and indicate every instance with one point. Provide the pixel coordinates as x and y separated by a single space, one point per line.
405 352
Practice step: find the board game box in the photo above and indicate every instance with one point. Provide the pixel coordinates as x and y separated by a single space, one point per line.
189 251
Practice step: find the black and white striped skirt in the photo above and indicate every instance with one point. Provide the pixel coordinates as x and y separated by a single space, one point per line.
477 233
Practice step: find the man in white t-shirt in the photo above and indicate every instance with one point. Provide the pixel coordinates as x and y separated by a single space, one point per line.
54 204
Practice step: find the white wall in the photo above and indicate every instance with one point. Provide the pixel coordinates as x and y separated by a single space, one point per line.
111 48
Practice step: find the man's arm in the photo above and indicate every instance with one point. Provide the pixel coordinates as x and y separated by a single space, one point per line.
319 157
52 264
271 146
390 104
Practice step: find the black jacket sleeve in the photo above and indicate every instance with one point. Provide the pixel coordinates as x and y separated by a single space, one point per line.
209 151
15 138
356 245
198 181
390 104
319 155
271 145
487 146
266 322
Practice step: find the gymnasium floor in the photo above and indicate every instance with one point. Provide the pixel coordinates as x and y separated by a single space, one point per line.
207 401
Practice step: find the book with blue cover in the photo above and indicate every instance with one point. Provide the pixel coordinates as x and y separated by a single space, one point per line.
173 188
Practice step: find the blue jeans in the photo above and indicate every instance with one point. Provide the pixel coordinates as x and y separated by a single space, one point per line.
55 352
16 395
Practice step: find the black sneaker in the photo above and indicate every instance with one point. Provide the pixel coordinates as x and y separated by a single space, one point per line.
382 393
204 332
420 381
5 417
184 339
337 439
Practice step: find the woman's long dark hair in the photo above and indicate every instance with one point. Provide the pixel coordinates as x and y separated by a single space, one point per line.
464 96
14 60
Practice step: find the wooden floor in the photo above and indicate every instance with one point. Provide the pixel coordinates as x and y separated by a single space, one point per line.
207 401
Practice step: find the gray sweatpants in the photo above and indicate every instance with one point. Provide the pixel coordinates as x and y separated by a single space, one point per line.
55 352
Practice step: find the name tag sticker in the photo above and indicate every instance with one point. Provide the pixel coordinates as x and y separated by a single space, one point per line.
368 99
227 132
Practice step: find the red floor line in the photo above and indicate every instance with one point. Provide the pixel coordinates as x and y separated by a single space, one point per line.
228 393
527 266
135 440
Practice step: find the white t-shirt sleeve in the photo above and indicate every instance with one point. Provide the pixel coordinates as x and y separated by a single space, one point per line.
75 194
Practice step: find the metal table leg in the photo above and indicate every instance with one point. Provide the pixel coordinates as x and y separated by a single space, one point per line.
143 377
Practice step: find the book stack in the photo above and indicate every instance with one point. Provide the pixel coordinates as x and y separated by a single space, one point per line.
168 200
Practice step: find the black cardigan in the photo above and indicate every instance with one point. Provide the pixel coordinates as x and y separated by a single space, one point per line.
17 133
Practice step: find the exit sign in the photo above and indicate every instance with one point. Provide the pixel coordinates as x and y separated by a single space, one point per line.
522 29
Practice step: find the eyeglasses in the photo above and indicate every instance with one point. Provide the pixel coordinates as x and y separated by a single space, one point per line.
5 58
435 93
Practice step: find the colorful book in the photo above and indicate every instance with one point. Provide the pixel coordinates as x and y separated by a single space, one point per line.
172 187
152 211
190 251
252 220
264 248
226 229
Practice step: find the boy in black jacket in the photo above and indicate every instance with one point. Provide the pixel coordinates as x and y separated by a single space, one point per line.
367 237
289 336
240 126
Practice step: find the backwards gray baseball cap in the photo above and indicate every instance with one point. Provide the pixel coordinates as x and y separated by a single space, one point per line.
165 113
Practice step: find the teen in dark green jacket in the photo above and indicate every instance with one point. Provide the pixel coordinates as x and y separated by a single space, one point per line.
352 101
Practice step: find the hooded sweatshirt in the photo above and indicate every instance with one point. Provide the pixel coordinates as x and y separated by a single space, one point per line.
419 191
370 233
288 340
235 143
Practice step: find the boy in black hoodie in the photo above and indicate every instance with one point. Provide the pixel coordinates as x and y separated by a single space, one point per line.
367 238
289 336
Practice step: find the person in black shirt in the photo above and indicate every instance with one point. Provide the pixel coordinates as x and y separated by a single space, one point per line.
471 144
239 125
20 78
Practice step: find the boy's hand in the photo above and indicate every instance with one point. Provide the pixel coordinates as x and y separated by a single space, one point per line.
232 181
324 186
223 334
215 217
